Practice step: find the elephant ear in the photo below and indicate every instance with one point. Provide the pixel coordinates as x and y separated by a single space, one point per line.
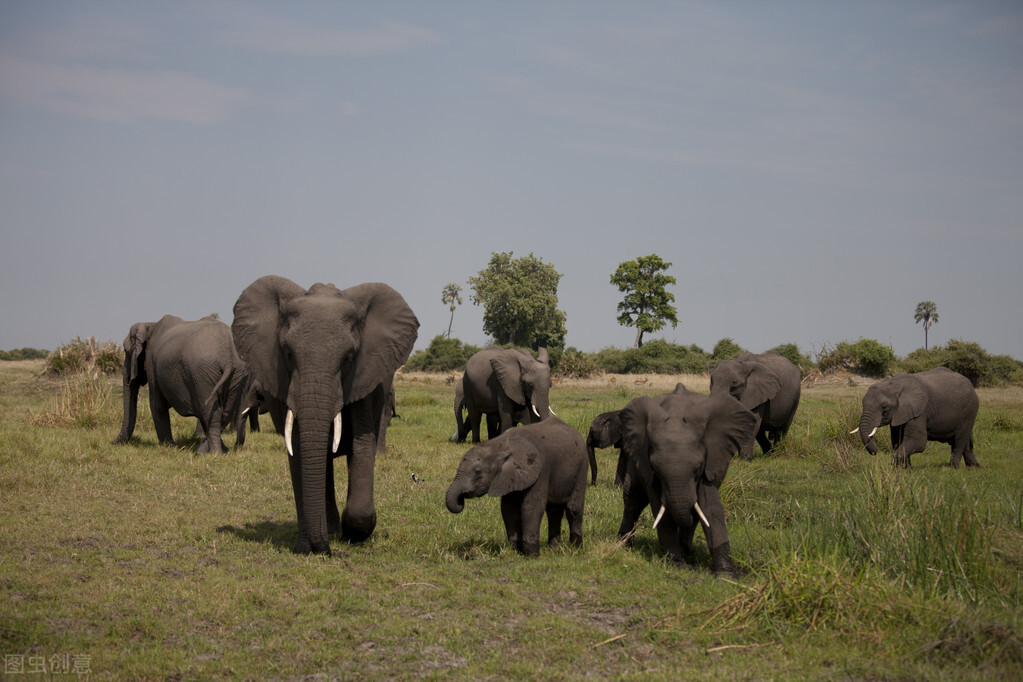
256 330
726 426
389 330
508 368
912 401
135 349
637 418
762 384
519 470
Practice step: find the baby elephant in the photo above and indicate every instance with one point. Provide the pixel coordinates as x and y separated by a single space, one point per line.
534 468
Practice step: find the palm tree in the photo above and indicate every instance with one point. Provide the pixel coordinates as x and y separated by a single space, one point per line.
452 295
926 312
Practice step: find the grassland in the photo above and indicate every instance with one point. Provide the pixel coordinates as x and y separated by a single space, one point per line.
144 561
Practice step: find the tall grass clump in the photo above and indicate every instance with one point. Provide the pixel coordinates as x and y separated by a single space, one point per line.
85 400
85 355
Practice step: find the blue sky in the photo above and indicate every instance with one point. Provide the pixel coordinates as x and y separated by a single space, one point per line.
812 170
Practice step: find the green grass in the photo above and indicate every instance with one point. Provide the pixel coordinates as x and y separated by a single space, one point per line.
155 563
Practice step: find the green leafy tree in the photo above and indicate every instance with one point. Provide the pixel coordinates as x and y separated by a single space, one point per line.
926 312
452 295
520 300
647 304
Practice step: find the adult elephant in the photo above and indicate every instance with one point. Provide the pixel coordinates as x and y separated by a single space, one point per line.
506 385
939 405
326 358
678 447
768 385
192 367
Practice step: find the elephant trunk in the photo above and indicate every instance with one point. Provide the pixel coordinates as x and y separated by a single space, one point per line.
130 398
311 445
869 423
456 496
680 503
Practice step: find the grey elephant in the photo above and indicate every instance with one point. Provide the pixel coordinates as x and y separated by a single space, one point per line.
462 426
192 367
767 384
534 469
939 405
605 432
326 358
678 447
505 385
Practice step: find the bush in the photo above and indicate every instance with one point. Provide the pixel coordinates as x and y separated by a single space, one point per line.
970 360
442 355
726 349
574 364
791 352
86 355
24 354
866 356
655 357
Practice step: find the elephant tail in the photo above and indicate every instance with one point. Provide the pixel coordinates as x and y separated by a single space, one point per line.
225 379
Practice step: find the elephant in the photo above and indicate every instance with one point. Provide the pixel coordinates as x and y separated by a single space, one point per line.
677 448
325 358
192 367
605 432
504 384
535 468
768 385
939 405
462 426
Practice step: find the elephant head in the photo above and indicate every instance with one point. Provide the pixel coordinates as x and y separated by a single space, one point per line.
679 442
894 402
325 356
498 467
526 381
133 375
747 379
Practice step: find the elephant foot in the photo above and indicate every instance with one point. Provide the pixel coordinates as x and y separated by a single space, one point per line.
530 549
305 546
721 562
355 533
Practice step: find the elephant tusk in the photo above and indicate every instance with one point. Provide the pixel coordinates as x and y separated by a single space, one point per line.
854 431
337 433
696 506
289 423
244 412
552 410
659 515
872 433
534 411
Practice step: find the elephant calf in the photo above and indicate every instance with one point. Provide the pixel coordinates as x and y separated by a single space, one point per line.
605 432
534 469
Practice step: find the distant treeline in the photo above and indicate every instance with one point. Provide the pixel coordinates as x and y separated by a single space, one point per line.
866 357
24 354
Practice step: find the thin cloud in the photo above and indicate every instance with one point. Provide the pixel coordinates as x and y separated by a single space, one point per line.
117 95
276 36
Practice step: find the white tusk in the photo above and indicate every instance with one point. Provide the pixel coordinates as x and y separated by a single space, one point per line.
854 430
244 412
534 411
289 423
696 506
337 432
552 410
872 433
659 515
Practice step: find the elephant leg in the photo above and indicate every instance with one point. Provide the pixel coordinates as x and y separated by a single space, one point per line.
555 515
746 449
330 498
161 416
493 426
574 511
620 469
511 514
302 543
634 501
213 441
359 517
533 508
914 439
717 532
899 457
474 423
764 441
971 459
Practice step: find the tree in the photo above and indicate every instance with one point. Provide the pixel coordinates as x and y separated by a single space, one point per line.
520 300
926 312
647 305
452 294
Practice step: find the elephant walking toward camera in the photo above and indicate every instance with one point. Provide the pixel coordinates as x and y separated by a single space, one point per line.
939 405
768 385
506 386
534 469
192 367
678 447
325 358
